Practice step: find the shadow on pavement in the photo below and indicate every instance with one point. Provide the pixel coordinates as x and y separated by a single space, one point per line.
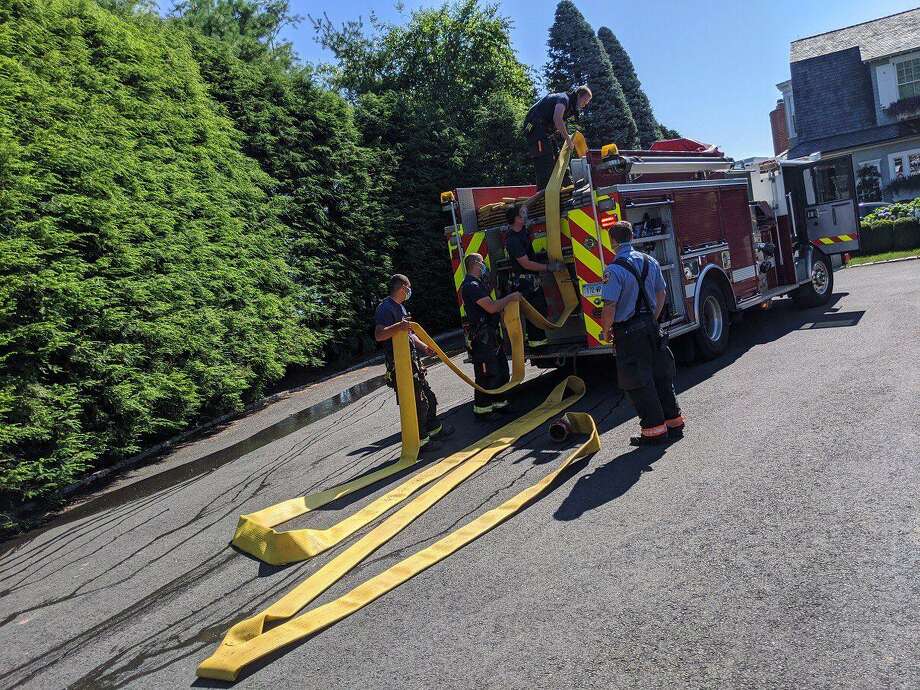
613 479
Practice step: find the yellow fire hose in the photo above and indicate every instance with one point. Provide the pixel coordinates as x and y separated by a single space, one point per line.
252 639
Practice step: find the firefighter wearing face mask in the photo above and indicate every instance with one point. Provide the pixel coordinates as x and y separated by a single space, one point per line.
484 314
390 318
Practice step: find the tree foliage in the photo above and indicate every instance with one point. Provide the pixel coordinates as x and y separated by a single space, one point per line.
144 283
338 236
445 95
667 133
647 128
577 57
249 27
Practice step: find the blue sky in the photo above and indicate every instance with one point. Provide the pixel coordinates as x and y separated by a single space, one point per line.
709 67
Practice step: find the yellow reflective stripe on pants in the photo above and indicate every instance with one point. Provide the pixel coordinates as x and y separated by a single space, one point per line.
248 641
255 534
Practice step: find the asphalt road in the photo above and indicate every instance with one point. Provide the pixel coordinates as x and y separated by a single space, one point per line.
777 545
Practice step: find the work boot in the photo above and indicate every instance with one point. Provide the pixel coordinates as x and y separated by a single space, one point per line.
640 440
502 407
441 430
651 436
675 427
431 446
482 412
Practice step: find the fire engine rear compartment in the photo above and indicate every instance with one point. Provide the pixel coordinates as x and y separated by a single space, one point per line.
703 231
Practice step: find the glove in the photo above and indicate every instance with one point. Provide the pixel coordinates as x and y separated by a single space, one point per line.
555 266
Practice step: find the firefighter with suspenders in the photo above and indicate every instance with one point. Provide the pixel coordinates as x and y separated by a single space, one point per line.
645 364
489 361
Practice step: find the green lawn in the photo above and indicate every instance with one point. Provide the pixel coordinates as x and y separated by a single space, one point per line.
885 256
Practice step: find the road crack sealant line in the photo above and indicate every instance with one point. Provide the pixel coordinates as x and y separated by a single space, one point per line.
279 625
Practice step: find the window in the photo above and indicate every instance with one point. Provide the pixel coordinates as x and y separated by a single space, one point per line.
790 113
904 164
909 78
869 181
832 181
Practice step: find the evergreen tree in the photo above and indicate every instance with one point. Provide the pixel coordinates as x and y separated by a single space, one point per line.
306 138
577 57
143 284
445 96
626 74
667 133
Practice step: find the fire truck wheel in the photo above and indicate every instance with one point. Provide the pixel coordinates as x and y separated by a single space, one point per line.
819 290
712 335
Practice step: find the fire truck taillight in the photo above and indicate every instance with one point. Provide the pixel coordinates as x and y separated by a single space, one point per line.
608 220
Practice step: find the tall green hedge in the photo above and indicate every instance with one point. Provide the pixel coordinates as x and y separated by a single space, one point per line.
338 236
906 233
143 281
880 236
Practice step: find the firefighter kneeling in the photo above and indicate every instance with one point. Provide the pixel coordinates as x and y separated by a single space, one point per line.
483 313
645 364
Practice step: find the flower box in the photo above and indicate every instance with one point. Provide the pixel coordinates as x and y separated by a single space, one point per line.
905 109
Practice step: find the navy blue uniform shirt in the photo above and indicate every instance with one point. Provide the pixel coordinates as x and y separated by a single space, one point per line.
472 290
389 311
541 113
518 244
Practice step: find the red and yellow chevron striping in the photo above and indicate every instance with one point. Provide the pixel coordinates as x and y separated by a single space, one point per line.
835 239
589 268
474 243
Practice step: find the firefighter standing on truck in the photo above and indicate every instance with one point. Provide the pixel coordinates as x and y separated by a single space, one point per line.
489 361
525 271
389 319
546 119
645 364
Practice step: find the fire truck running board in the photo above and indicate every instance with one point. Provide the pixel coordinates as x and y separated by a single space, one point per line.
763 297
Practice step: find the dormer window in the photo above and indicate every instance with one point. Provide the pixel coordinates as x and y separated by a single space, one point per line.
908 78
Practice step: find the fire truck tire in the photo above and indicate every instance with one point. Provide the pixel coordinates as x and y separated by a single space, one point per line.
712 336
819 290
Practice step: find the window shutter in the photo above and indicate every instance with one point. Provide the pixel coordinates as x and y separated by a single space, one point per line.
887 80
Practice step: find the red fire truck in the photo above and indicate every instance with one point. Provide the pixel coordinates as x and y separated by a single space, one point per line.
726 240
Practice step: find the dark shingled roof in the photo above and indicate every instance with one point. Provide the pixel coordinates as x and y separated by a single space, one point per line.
898 33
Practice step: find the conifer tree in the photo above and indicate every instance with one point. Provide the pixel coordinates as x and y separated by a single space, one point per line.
577 57
626 74
306 138
667 133
459 128
143 281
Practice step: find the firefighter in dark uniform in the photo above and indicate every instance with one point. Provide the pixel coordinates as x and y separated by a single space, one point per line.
390 318
544 121
526 270
489 361
645 364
